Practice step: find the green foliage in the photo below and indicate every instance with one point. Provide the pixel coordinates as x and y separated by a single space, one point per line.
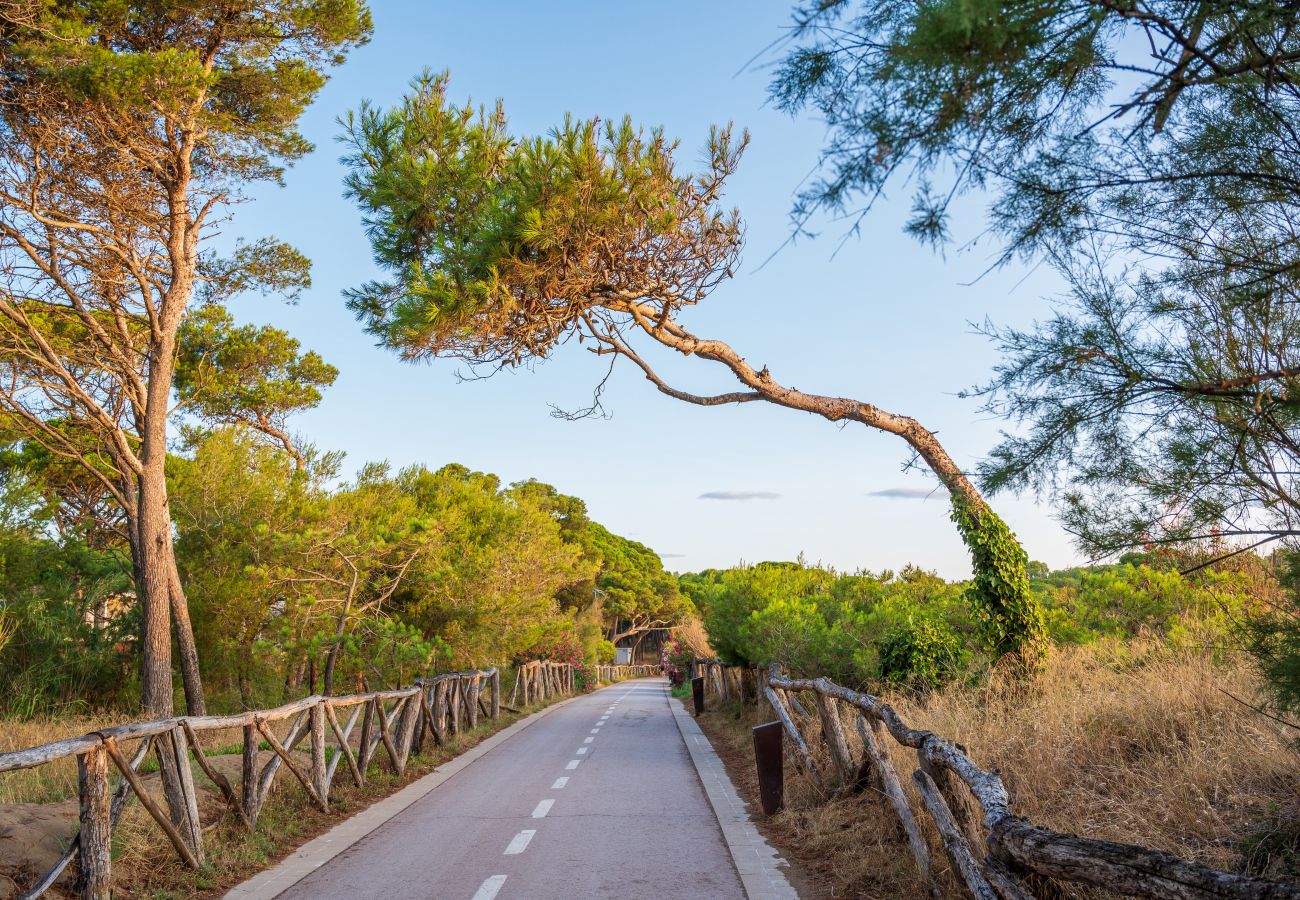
999 595
250 374
244 73
63 635
1273 638
498 248
912 629
920 654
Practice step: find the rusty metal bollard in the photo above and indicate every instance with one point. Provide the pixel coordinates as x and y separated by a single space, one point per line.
768 758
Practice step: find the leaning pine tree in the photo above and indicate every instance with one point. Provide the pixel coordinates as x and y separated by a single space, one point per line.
501 249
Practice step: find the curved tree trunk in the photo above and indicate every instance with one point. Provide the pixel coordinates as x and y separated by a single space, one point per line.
1000 594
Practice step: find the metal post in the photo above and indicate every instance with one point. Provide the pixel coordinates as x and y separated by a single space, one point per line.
768 758
697 690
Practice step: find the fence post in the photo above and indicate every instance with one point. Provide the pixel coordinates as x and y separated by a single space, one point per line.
318 780
768 758
496 693
697 692
475 686
248 786
95 837
193 830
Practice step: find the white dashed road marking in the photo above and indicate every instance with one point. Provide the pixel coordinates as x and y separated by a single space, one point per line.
560 782
582 750
595 730
588 740
489 888
520 842
573 764
542 809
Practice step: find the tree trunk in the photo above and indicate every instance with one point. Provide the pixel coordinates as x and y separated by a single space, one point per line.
195 704
153 584
1009 616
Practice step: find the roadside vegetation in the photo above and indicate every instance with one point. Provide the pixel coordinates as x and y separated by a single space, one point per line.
165 532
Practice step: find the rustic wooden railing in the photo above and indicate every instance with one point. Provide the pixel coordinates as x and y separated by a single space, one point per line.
541 680
399 720
969 806
610 674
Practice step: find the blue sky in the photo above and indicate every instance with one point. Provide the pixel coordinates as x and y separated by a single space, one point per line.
883 319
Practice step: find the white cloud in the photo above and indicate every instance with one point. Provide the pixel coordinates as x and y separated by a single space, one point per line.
739 495
903 493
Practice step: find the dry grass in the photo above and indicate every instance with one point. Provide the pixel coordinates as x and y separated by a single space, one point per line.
1131 744
1127 743
58 780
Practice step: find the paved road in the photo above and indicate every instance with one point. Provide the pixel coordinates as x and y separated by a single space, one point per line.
597 799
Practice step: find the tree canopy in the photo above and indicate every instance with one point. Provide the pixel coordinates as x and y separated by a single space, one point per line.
498 249
1146 151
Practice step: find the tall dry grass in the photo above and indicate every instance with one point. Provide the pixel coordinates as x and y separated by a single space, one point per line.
1131 742
54 781
1126 742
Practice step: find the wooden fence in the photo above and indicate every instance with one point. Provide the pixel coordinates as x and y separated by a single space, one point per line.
993 851
610 674
399 720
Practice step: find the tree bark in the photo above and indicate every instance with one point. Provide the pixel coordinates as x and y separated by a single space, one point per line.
188 651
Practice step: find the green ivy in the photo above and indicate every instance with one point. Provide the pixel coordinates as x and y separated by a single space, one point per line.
1005 609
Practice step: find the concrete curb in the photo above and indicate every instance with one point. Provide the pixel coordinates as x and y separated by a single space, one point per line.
756 861
317 852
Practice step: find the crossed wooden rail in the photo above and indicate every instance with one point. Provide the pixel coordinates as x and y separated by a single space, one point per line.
969 806
438 707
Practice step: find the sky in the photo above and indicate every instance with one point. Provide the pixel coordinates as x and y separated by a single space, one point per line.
877 317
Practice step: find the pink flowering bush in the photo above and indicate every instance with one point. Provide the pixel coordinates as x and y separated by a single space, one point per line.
675 660
563 648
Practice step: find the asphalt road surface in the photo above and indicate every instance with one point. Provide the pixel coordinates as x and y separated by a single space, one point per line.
597 799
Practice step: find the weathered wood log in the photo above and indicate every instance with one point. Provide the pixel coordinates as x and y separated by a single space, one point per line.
796 738
296 732
495 686
1124 868
248 794
453 706
222 783
954 842
964 807
386 735
838 745
406 728
345 749
191 827
366 745
298 773
164 821
891 786
121 796
986 787
1004 881
440 713
319 779
471 699
96 835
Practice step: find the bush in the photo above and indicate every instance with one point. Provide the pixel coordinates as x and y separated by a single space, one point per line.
920 654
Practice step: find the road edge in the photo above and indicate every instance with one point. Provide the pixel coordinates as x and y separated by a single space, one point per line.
755 859
270 883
